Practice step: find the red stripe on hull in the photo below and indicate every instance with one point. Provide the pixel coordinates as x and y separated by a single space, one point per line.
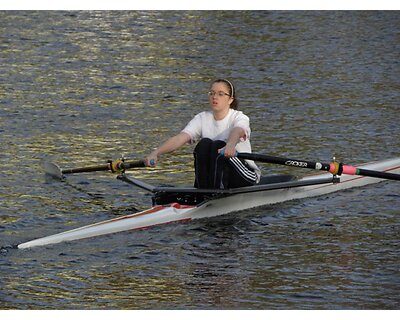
151 210
159 224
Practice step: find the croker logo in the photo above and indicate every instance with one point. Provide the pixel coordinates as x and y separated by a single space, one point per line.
294 163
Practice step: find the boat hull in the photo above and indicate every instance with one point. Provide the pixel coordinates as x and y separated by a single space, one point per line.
140 220
250 200
162 214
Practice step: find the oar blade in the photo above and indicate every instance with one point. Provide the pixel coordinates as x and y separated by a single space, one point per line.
52 170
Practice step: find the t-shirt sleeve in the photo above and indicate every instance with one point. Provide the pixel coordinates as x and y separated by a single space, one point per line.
193 128
242 121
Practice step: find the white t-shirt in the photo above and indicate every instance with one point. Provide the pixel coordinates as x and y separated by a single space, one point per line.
203 125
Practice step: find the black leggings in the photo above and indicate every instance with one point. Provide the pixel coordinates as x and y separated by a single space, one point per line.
216 171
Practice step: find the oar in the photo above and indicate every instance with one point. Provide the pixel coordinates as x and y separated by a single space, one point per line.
114 166
334 167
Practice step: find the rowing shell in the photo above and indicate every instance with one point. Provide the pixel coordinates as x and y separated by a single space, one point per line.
227 201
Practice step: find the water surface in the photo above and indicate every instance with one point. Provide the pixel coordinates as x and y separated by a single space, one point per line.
80 87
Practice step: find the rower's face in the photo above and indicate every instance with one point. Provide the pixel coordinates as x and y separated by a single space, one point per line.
219 97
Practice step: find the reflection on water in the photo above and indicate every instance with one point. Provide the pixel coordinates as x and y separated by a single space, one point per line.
82 87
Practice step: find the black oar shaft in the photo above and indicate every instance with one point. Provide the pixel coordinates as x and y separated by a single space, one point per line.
334 168
284 161
87 169
104 167
378 174
133 164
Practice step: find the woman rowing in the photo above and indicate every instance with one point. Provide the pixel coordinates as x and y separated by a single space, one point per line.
221 132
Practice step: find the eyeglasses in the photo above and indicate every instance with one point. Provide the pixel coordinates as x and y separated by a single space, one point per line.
219 94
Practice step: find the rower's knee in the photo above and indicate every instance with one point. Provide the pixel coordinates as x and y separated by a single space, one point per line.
203 146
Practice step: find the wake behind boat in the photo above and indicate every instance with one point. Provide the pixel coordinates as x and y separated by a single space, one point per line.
175 204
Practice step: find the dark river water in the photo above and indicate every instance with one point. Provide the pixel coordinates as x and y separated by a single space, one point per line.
79 88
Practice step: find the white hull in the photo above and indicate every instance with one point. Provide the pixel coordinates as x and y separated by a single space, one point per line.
250 200
175 212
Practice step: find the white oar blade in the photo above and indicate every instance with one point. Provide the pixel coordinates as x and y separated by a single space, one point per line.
52 169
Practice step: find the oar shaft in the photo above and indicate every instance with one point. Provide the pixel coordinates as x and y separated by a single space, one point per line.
87 169
104 167
370 173
284 161
334 168
133 164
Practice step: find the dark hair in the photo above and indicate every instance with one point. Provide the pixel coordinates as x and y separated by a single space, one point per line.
232 92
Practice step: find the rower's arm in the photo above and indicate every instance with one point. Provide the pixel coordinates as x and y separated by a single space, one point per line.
168 146
173 143
234 137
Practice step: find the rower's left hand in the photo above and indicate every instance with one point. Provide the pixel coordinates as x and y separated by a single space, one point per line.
229 151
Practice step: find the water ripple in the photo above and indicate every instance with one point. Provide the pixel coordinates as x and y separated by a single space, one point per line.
82 87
